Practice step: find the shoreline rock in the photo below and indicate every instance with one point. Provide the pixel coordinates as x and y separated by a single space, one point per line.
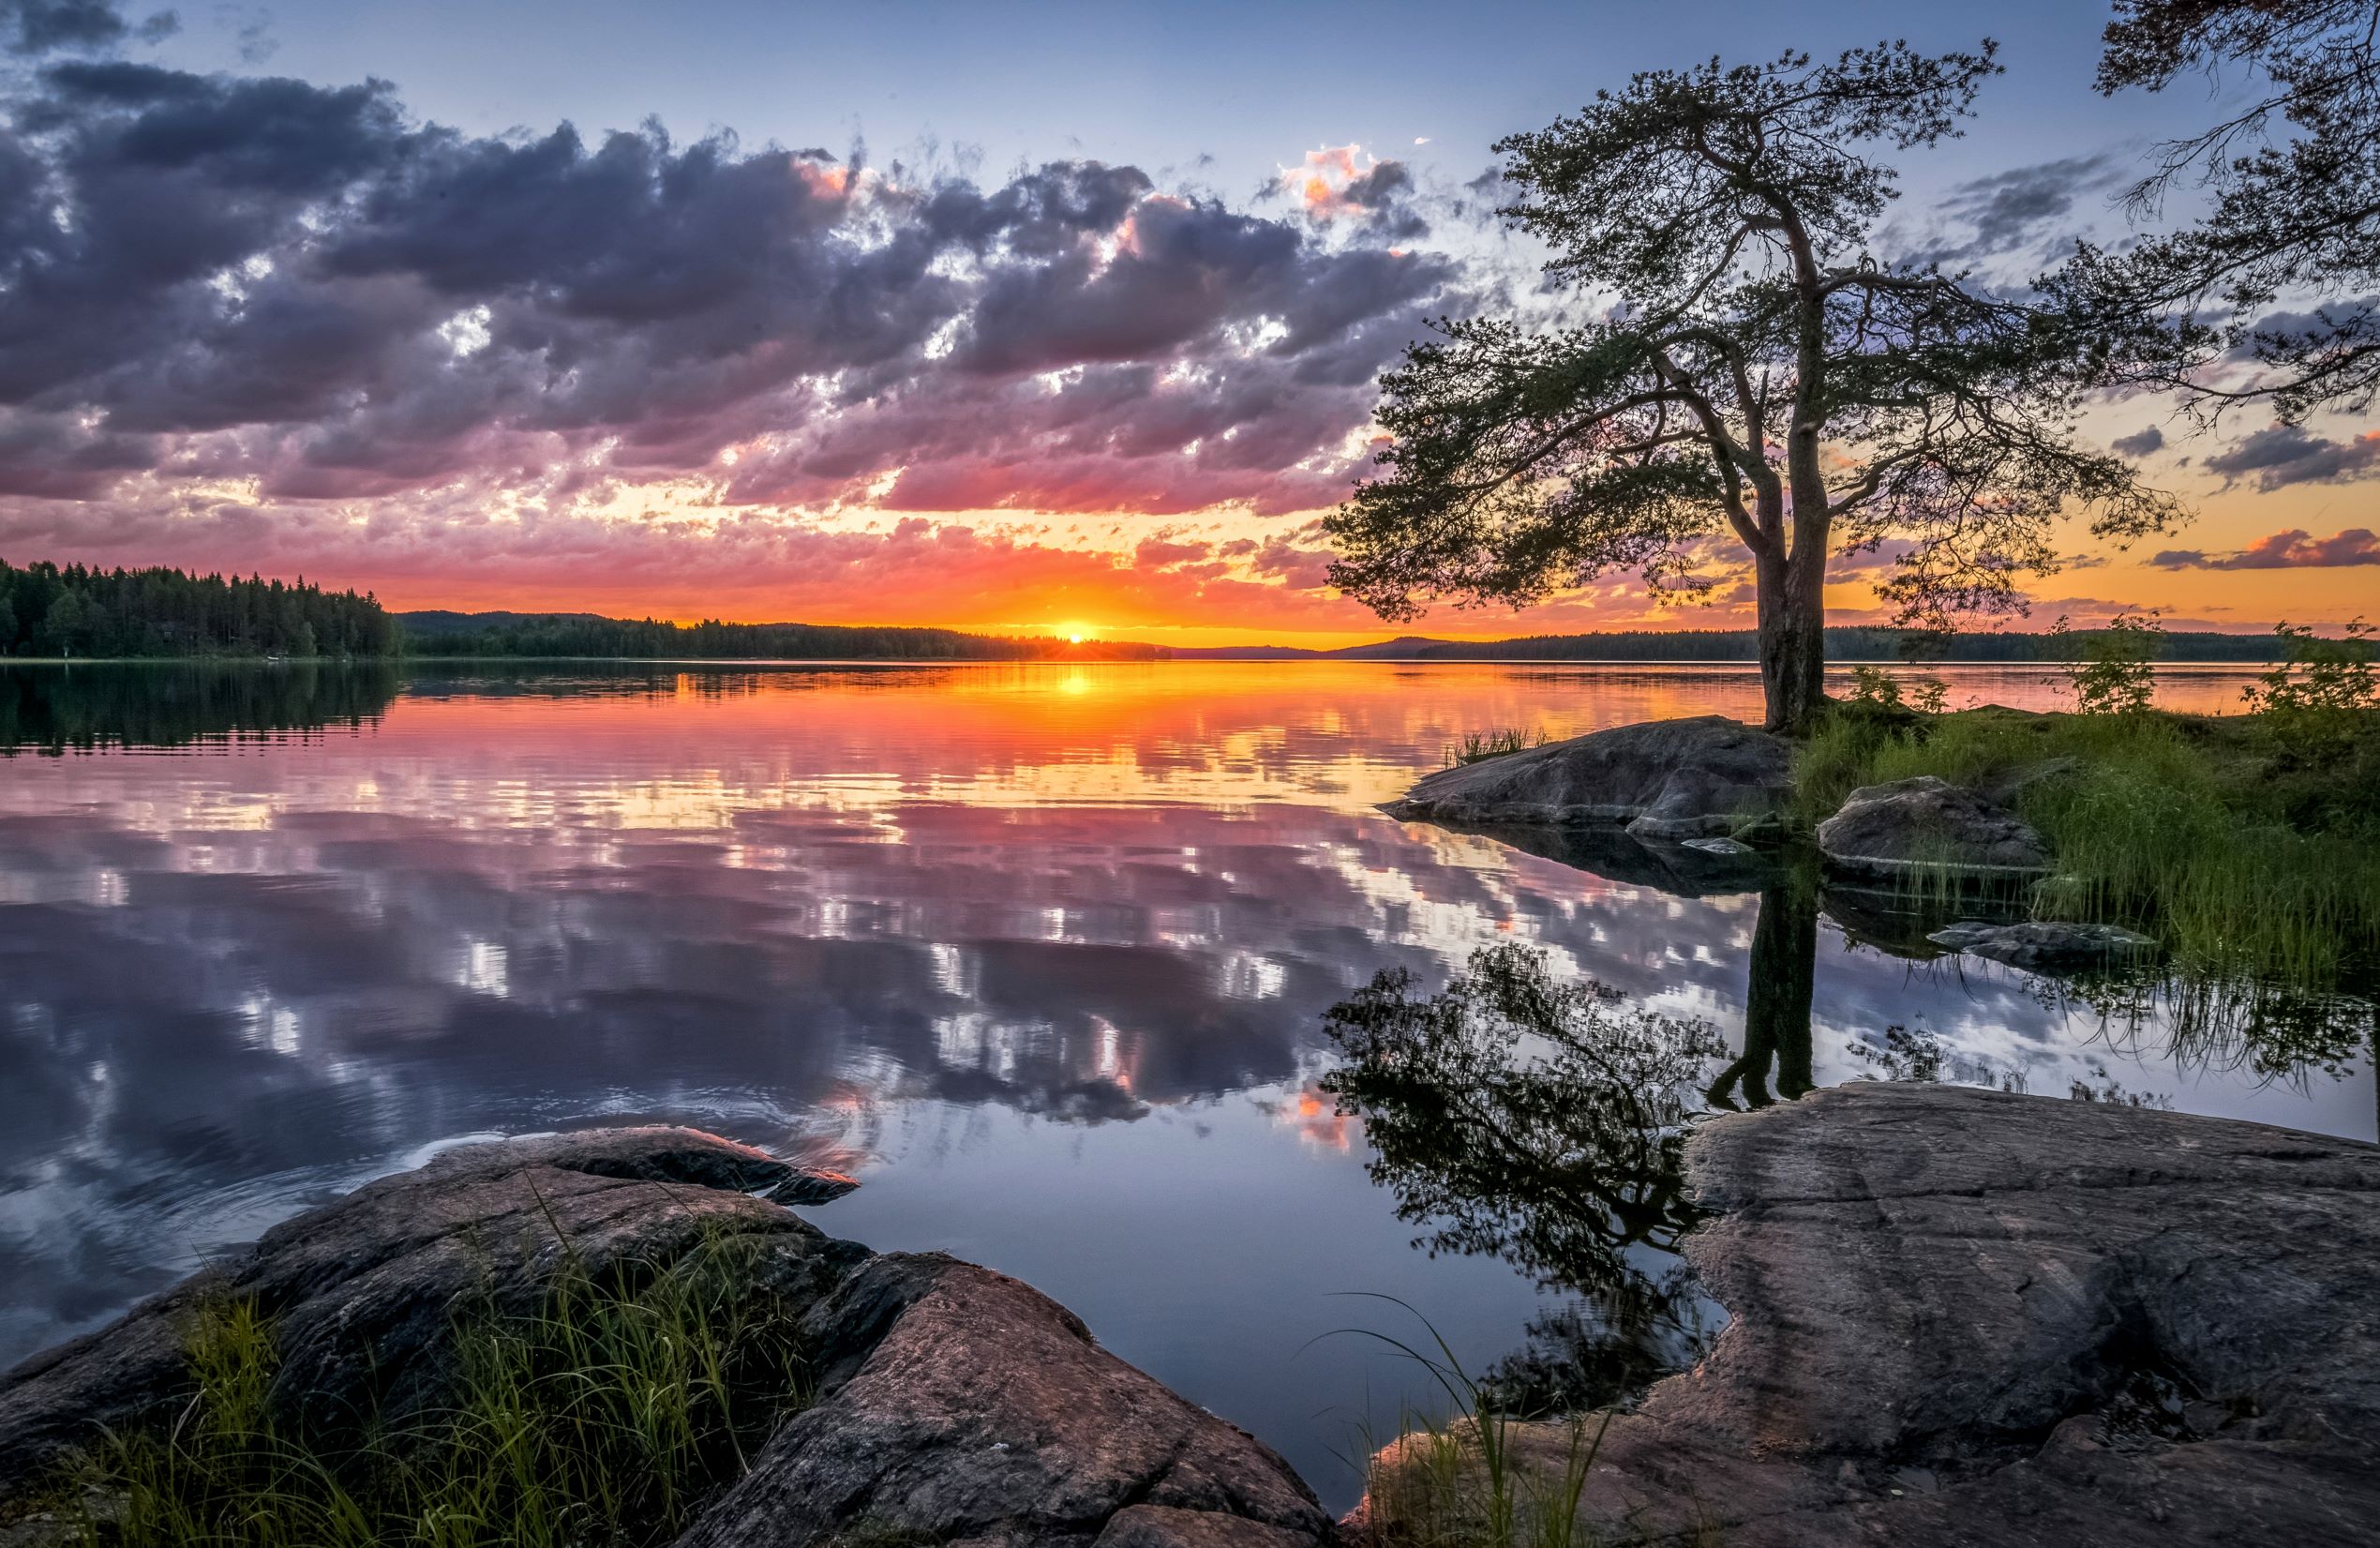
1913 829
1957 1317
953 1403
2048 947
363 1288
1962 1316
1708 776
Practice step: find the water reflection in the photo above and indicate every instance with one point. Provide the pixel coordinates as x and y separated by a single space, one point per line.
1542 1122
168 704
1043 953
1776 1001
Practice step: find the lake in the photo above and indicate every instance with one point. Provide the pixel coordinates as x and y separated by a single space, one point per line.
1039 953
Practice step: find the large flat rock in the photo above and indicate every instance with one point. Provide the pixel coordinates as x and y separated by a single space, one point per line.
1964 1317
1663 779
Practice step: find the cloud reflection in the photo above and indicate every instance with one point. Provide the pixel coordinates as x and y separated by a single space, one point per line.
791 906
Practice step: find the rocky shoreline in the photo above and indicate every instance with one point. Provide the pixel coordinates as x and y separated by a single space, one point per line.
951 1403
1958 1316
1966 1318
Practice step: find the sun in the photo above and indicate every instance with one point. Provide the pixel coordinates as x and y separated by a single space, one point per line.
1074 634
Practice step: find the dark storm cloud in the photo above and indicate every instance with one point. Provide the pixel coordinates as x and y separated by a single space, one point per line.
44 27
2282 454
1380 187
2011 210
2294 550
2352 315
208 278
2140 443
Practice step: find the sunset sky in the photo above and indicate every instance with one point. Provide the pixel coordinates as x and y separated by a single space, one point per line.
1013 317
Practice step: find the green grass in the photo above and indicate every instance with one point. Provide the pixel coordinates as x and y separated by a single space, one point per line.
1479 1477
1478 747
608 1415
2201 830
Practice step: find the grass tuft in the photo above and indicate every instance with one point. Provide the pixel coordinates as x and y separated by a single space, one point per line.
1479 1477
1479 746
606 1415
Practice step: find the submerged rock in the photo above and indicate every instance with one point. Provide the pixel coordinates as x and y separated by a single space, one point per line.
1928 827
1663 780
1685 870
2046 947
1966 1318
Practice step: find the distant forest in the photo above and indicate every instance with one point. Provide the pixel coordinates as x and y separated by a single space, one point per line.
464 635
71 610
1841 645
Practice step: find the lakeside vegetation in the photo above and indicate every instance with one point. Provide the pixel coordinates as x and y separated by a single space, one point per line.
610 1412
2248 844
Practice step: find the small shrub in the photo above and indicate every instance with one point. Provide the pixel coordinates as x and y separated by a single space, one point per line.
2115 670
2313 701
1875 685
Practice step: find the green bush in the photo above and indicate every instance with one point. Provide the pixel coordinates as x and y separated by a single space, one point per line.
2312 702
2114 672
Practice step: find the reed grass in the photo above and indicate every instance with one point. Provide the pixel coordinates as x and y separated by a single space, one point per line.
607 1414
2196 829
1477 1477
1478 747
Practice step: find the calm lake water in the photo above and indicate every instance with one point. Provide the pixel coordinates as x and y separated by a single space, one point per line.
1040 953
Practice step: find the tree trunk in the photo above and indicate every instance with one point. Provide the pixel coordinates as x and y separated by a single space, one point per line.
1792 612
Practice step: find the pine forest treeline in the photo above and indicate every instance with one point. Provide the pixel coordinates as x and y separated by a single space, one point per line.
588 636
76 610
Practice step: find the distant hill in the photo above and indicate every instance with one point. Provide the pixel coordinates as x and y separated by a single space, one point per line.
445 634
437 621
557 636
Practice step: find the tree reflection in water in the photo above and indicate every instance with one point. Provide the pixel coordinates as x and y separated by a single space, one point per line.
1776 1004
57 710
1543 1123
